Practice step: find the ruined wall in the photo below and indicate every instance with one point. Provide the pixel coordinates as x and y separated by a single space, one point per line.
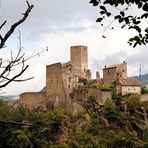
101 96
109 75
32 100
79 60
122 70
56 94
68 78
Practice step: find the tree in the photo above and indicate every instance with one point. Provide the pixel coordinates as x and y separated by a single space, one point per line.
124 17
7 67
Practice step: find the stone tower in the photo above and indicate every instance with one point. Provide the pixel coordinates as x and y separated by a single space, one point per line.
79 59
55 90
111 73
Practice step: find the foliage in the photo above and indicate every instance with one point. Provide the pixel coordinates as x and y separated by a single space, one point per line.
144 90
133 102
121 139
106 87
58 128
119 11
8 66
90 96
115 97
113 113
145 105
92 84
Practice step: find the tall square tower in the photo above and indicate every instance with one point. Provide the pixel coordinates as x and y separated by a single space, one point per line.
79 59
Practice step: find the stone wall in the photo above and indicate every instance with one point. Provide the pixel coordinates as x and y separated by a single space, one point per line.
79 60
144 98
100 96
130 89
32 100
122 70
55 90
110 74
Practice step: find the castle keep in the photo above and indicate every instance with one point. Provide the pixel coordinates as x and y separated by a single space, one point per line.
61 79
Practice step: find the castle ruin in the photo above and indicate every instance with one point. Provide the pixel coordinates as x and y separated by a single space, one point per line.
61 79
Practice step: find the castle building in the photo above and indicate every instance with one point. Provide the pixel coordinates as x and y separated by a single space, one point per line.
117 75
62 78
110 72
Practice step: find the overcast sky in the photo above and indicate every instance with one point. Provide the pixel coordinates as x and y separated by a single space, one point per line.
60 24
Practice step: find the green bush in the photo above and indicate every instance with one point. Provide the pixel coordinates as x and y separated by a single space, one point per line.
144 90
106 87
133 102
90 96
114 114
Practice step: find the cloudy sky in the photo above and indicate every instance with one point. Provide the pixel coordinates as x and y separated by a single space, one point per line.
60 24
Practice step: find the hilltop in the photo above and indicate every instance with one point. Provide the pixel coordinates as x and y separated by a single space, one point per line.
143 79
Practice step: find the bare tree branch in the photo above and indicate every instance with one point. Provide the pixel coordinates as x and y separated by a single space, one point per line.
1 26
13 27
13 78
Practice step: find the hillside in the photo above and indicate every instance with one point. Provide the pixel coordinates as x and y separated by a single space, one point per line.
143 79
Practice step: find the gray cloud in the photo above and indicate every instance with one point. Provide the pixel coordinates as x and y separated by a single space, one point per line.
135 61
48 16
109 60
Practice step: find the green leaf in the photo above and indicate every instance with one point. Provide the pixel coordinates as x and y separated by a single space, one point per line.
146 30
102 12
137 28
117 17
99 19
94 2
103 8
145 7
139 5
122 13
108 14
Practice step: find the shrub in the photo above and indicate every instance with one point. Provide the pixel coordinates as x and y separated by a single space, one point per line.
144 90
113 114
133 102
90 97
106 87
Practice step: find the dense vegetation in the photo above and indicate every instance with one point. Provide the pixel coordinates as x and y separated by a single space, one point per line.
110 127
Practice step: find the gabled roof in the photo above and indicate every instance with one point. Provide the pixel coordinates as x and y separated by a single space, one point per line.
114 65
129 82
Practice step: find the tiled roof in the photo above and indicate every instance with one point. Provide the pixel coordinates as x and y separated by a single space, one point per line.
114 66
129 82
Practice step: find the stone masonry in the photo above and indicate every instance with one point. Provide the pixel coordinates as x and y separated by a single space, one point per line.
61 79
